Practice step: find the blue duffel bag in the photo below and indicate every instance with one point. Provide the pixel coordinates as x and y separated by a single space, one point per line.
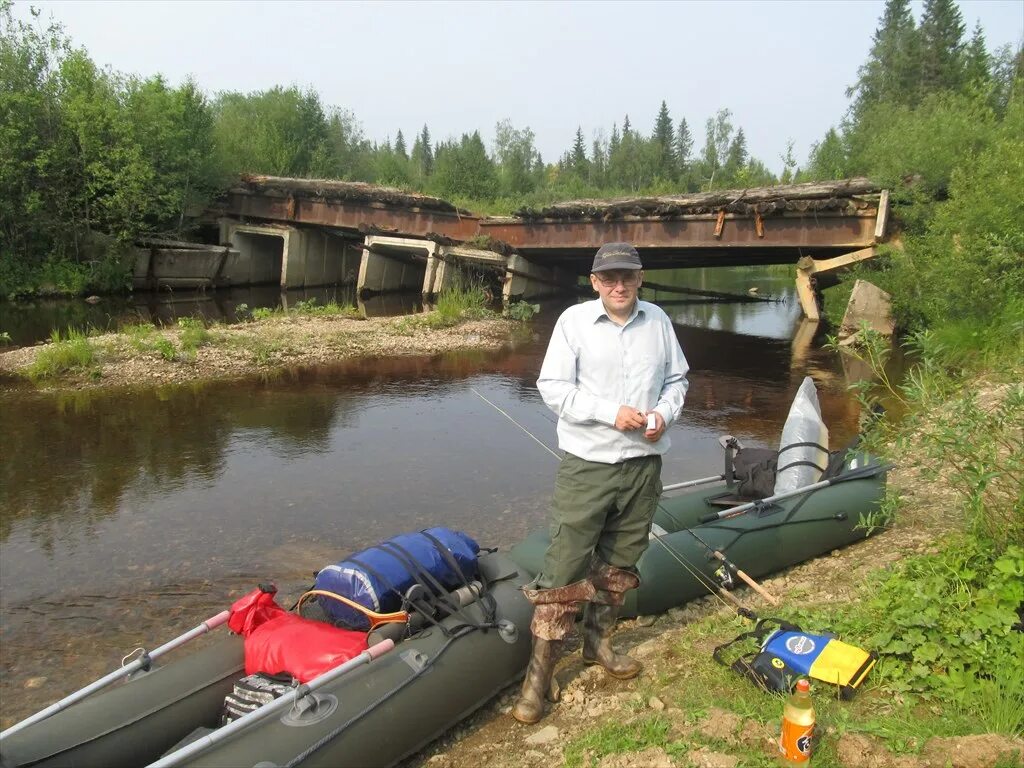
378 577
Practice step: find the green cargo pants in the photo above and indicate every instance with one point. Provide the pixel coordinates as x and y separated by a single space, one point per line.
602 509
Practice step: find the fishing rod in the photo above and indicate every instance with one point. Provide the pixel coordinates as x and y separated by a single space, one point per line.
701 578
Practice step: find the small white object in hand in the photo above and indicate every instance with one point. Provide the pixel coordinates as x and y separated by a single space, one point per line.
652 423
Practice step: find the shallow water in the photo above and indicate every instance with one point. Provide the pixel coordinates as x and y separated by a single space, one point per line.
127 518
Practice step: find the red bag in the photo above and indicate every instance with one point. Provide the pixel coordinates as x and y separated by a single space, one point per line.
277 641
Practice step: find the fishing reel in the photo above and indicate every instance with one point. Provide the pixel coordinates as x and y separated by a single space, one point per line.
726 576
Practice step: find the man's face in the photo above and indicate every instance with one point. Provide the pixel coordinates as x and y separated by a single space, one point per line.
617 287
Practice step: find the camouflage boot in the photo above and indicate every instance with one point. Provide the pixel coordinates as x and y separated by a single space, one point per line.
599 617
553 618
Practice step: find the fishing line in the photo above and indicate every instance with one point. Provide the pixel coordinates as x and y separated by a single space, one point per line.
528 432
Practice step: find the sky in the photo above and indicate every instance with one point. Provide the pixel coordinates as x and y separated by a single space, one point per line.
781 67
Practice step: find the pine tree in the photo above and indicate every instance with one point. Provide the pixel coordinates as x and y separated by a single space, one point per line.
942 46
684 145
427 161
891 72
400 145
736 158
663 136
977 62
579 154
625 127
613 143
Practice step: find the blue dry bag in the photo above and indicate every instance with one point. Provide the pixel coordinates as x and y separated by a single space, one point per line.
379 576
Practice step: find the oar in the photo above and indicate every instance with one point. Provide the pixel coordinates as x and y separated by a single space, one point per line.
871 470
142 662
271 707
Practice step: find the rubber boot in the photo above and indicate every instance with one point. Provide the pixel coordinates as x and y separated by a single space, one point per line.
554 614
529 709
610 587
598 625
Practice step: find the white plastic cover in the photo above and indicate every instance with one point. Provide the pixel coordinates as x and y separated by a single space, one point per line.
804 425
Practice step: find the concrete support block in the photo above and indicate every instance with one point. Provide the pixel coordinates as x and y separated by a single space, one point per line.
446 265
525 280
393 264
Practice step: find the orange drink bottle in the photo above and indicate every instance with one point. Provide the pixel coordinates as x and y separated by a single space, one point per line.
797 726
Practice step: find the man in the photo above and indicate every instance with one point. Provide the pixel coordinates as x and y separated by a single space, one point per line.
611 363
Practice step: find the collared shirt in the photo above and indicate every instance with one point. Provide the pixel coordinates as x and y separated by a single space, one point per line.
593 366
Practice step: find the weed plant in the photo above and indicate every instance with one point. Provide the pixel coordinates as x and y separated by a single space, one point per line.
193 335
520 311
64 353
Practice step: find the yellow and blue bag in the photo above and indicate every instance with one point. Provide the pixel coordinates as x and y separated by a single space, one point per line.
788 653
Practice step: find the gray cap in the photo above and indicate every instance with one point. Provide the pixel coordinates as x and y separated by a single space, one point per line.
616 256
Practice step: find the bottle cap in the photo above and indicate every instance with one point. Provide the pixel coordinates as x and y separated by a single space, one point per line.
803 685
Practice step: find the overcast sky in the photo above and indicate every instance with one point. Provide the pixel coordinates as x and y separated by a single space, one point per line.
781 67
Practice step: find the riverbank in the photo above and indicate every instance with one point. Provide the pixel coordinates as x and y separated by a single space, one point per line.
687 710
144 355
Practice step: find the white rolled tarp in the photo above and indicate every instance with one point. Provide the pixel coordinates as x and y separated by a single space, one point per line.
803 448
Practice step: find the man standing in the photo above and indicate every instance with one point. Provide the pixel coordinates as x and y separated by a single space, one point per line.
616 377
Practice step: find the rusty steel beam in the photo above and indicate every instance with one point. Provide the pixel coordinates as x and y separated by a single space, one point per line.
821 230
415 222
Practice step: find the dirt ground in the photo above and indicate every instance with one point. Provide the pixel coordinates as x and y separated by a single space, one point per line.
259 347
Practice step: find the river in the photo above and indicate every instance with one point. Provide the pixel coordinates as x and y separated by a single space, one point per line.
127 518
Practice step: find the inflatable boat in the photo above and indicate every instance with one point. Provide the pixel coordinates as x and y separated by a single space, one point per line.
702 537
408 688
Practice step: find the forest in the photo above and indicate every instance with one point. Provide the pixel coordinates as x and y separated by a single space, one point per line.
92 159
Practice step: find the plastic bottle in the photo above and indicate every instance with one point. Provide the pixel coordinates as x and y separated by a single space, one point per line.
797 726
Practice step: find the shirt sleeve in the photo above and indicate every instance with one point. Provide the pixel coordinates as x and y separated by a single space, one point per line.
559 384
673 391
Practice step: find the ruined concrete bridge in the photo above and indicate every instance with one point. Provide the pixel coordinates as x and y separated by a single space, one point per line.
315 232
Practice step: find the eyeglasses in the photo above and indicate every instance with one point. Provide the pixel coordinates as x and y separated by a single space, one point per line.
628 281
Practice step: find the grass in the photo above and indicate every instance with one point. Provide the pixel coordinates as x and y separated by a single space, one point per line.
306 308
63 354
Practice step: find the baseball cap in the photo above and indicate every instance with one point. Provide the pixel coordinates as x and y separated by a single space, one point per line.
616 256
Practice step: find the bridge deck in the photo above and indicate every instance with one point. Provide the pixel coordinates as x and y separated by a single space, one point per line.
724 228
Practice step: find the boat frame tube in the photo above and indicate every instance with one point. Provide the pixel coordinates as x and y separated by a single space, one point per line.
272 707
143 662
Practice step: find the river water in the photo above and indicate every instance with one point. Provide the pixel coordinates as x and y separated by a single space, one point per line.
127 518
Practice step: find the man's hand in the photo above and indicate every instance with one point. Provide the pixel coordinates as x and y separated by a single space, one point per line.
629 419
659 428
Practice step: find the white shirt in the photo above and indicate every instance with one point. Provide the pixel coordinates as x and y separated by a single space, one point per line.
593 366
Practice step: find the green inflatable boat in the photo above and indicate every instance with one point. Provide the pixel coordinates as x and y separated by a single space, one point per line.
702 536
404 691
383 706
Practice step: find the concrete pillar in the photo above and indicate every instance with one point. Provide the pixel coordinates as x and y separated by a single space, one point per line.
525 280
394 264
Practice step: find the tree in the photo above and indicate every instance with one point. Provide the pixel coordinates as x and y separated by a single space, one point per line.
717 139
891 72
424 159
828 158
735 159
789 169
400 145
684 145
279 131
464 169
517 158
977 62
578 157
942 47
664 136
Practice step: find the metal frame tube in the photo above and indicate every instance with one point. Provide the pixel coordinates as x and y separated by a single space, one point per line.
141 662
270 708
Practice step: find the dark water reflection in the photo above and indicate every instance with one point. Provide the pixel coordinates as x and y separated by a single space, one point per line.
125 519
29 322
